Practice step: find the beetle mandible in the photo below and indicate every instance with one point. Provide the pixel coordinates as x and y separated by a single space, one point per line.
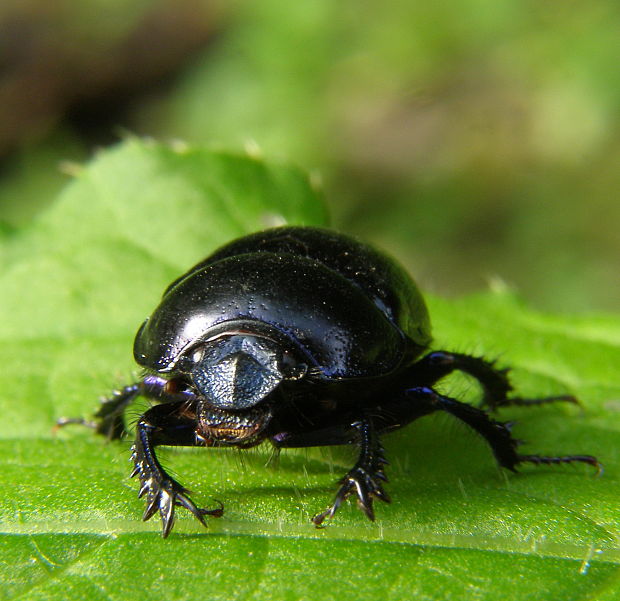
303 337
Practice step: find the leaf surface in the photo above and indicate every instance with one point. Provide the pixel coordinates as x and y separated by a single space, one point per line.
76 285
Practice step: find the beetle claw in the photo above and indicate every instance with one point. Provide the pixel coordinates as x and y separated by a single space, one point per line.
319 518
163 495
214 513
364 485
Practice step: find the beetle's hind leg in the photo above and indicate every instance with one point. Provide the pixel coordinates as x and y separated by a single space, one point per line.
495 383
166 424
365 479
497 434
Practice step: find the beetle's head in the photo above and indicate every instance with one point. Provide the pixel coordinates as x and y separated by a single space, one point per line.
237 371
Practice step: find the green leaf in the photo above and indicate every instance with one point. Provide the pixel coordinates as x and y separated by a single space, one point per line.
76 285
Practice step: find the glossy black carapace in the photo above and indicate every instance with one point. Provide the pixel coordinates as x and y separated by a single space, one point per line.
303 337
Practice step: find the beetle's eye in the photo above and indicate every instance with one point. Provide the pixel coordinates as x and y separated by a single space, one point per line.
186 363
198 354
291 369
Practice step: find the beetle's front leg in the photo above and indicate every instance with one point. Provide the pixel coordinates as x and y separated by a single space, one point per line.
167 424
364 479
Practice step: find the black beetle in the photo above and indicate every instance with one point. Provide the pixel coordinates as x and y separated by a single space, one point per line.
303 337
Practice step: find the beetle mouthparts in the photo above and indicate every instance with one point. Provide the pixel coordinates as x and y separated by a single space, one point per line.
231 428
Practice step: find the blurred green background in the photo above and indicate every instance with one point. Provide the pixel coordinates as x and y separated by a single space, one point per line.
477 140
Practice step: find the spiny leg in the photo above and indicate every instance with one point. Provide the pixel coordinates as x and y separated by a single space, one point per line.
495 383
108 419
166 424
543 460
364 479
497 434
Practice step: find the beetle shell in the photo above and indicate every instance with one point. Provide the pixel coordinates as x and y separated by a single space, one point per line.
347 309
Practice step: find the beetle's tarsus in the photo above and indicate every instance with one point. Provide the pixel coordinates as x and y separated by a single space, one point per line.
365 486
163 496
61 422
524 402
545 460
365 478
214 513
319 518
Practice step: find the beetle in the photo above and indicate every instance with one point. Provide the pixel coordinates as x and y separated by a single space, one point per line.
303 337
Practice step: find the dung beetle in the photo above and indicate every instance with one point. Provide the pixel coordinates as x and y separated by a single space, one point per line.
303 337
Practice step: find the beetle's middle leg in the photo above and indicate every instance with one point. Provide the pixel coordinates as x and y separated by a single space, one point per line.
108 419
166 424
495 383
364 479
